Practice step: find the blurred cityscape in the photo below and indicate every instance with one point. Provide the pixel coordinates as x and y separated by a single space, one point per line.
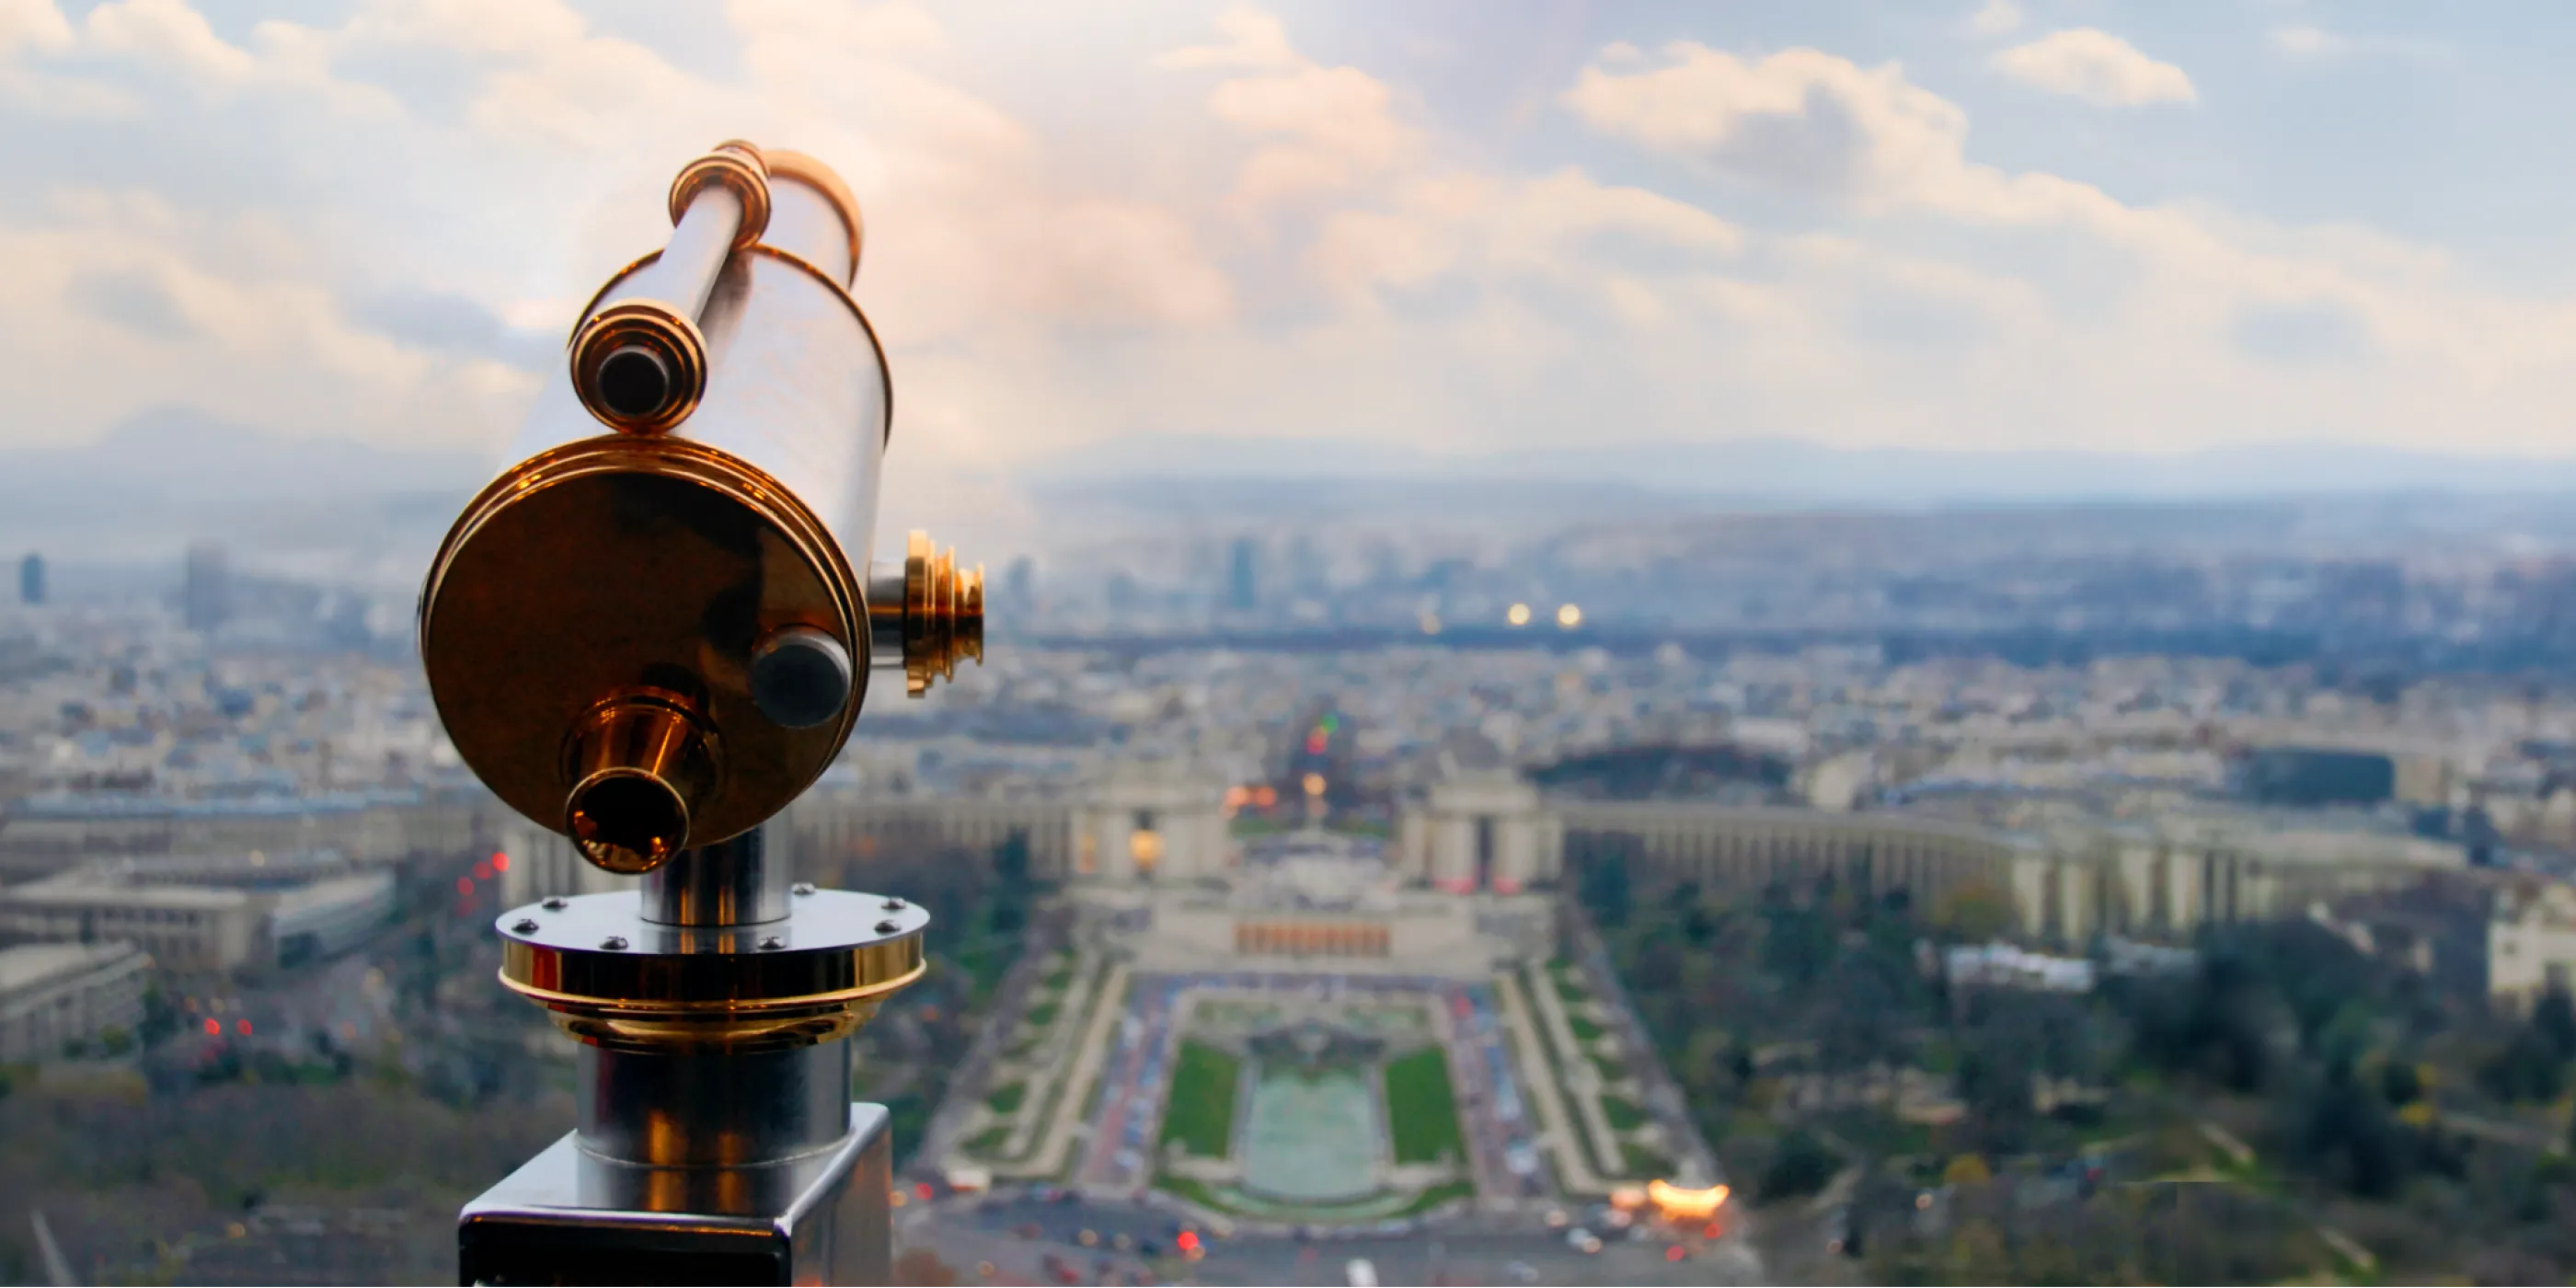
1590 891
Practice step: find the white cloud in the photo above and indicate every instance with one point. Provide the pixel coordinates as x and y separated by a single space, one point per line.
1996 18
1256 41
2310 43
33 24
1243 240
208 313
2097 67
1322 129
2170 325
169 34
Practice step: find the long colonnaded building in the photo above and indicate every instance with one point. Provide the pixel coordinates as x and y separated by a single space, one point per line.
1489 831
45 834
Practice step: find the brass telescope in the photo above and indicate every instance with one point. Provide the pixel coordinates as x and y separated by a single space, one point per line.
650 634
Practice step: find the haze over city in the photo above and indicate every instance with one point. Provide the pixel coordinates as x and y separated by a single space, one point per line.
1825 642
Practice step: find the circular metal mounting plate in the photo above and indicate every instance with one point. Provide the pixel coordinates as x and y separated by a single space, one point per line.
696 985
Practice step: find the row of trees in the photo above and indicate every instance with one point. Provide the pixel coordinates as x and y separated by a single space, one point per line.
980 905
2356 1081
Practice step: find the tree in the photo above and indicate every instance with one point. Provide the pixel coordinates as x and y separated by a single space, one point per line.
1976 912
2555 1020
1798 944
1800 1165
2528 1068
1011 884
1707 1069
2399 1083
1604 885
2350 1136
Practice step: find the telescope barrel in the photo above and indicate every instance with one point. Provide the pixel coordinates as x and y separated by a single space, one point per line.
655 637
651 633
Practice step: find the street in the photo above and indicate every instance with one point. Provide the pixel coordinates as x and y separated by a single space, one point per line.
1040 1239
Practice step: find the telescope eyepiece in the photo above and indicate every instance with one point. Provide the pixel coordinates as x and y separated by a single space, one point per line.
627 820
639 766
634 382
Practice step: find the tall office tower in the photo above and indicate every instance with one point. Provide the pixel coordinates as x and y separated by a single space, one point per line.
31 579
205 598
1020 583
1308 572
1242 583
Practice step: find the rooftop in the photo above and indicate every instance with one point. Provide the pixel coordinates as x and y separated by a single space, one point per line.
73 889
29 965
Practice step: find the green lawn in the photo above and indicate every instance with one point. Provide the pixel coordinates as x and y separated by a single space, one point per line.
1584 1029
1201 1114
1007 1099
985 960
1611 1070
1644 1164
988 1142
1042 1014
1055 982
1421 1110
1623 1115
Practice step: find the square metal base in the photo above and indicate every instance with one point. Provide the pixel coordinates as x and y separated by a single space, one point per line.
568 1217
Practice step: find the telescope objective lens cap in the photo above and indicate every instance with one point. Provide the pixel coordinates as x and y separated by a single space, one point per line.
801 678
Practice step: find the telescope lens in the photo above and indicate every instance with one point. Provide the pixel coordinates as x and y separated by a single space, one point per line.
634 381
628 822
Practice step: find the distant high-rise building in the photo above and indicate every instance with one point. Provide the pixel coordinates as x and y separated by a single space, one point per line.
1020 583
206 597
31 579
1307 571
1243 573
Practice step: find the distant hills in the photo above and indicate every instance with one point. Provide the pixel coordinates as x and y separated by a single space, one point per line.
186 456
1770 473
343 508
330 507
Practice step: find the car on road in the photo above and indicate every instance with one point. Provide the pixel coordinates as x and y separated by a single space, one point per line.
1583 1241
1520 1272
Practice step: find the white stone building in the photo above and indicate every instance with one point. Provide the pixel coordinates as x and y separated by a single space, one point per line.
200 926
53 994
1479 827
1152 819
188 928
2531 945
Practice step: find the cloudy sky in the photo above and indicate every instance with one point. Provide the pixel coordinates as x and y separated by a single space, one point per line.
1458 225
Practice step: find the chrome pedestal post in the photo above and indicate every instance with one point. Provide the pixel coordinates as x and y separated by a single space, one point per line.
717 1143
